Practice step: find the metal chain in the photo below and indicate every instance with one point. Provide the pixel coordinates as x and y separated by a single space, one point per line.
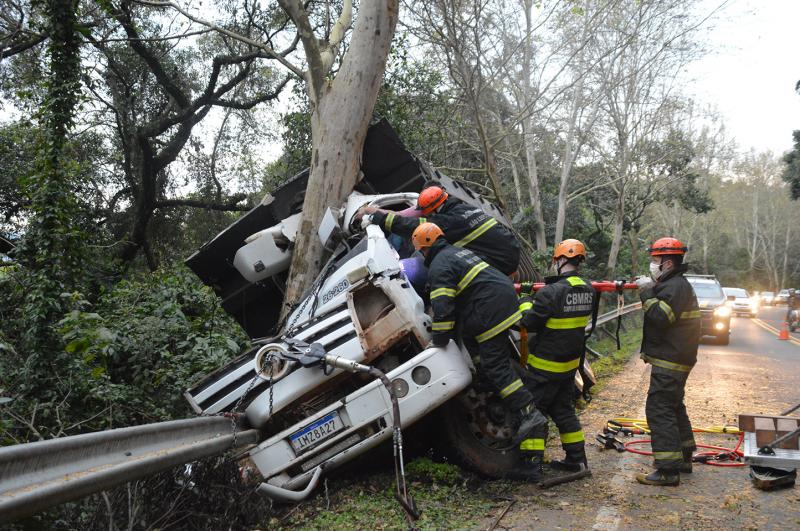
250 386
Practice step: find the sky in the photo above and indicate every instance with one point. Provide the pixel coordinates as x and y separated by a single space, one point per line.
751 71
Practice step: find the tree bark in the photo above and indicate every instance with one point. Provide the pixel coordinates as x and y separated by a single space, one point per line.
339 121
616 241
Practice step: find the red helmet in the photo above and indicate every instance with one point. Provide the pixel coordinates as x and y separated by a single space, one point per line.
667 246
430 199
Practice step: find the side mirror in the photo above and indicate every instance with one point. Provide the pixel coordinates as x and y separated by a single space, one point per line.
730 298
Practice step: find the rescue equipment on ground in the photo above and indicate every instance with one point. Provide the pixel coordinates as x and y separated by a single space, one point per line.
772 448
617 429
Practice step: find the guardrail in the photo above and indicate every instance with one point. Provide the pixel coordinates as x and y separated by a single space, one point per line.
39 475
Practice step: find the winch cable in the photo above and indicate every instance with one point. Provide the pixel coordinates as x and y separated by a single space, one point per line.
714 455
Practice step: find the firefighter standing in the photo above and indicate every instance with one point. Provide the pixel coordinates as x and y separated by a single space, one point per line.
467 290
669 344
463 226
558 316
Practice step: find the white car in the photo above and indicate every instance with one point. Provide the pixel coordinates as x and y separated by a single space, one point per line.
743 303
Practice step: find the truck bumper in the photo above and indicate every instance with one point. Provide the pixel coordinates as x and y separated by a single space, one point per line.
366 421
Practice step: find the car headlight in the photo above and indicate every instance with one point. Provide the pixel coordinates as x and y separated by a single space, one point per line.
723 311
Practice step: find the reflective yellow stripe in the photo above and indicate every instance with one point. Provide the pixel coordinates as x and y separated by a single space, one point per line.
667 309
532 444
491 222
648 303
553 366
443 292
694 314
442 326
510 388
576 281
423 220
464 282
493 331
664 364
572 437
525 306
387 223
664 456
566 323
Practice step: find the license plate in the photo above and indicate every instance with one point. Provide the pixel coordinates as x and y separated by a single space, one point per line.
316 432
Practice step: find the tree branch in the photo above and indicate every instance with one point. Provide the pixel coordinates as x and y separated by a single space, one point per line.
231 206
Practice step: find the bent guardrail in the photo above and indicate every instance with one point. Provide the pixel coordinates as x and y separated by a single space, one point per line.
39 475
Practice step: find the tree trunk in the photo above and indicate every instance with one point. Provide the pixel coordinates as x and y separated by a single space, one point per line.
616 242
488 156
566 167
339 122
633 236
527 130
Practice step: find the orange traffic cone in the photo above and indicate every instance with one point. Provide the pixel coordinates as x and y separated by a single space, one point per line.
784 331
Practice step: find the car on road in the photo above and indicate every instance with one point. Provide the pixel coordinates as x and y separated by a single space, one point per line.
714 312
782 297
767 298
742 303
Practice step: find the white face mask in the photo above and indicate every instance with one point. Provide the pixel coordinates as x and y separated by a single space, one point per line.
655 270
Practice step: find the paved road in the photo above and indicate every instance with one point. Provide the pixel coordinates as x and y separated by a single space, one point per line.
755 373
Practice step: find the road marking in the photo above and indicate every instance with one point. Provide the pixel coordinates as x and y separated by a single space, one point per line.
773 330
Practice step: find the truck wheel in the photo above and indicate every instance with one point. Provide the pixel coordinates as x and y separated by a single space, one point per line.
477 430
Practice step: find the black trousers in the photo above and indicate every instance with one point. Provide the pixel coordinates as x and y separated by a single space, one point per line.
555 397
497 362
670 428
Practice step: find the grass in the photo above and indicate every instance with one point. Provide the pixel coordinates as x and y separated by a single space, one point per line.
448 497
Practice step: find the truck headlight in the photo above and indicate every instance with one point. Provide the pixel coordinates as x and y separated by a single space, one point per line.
722 311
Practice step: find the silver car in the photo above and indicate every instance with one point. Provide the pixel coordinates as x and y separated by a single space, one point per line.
743 303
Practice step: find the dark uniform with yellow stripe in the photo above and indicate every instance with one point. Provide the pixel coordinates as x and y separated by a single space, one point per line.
669 343
467 290
463 226
558 318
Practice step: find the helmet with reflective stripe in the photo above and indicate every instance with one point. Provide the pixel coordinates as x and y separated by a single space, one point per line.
569 248
425 235
667 246
430 199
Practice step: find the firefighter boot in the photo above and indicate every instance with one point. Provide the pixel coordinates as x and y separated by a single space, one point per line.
531 420
660 478
686 465
529 468
574 461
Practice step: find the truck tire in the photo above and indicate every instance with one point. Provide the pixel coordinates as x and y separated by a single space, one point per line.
476 433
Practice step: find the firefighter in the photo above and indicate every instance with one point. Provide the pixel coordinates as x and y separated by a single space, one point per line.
463 225
468 291
558 318
669 344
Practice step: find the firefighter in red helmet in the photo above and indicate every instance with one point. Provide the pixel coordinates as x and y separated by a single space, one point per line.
669 344
463 225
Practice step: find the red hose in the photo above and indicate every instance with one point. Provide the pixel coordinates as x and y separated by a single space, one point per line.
713 458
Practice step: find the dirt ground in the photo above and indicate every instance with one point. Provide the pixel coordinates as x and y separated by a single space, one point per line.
754 373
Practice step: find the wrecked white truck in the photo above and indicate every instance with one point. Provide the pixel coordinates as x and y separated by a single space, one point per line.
366 309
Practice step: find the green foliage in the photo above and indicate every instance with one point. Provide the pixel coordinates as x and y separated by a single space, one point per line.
125 359
424 469
791 173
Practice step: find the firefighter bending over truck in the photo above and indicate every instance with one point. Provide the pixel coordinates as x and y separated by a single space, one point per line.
669 344
558 317
468 292
463 226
